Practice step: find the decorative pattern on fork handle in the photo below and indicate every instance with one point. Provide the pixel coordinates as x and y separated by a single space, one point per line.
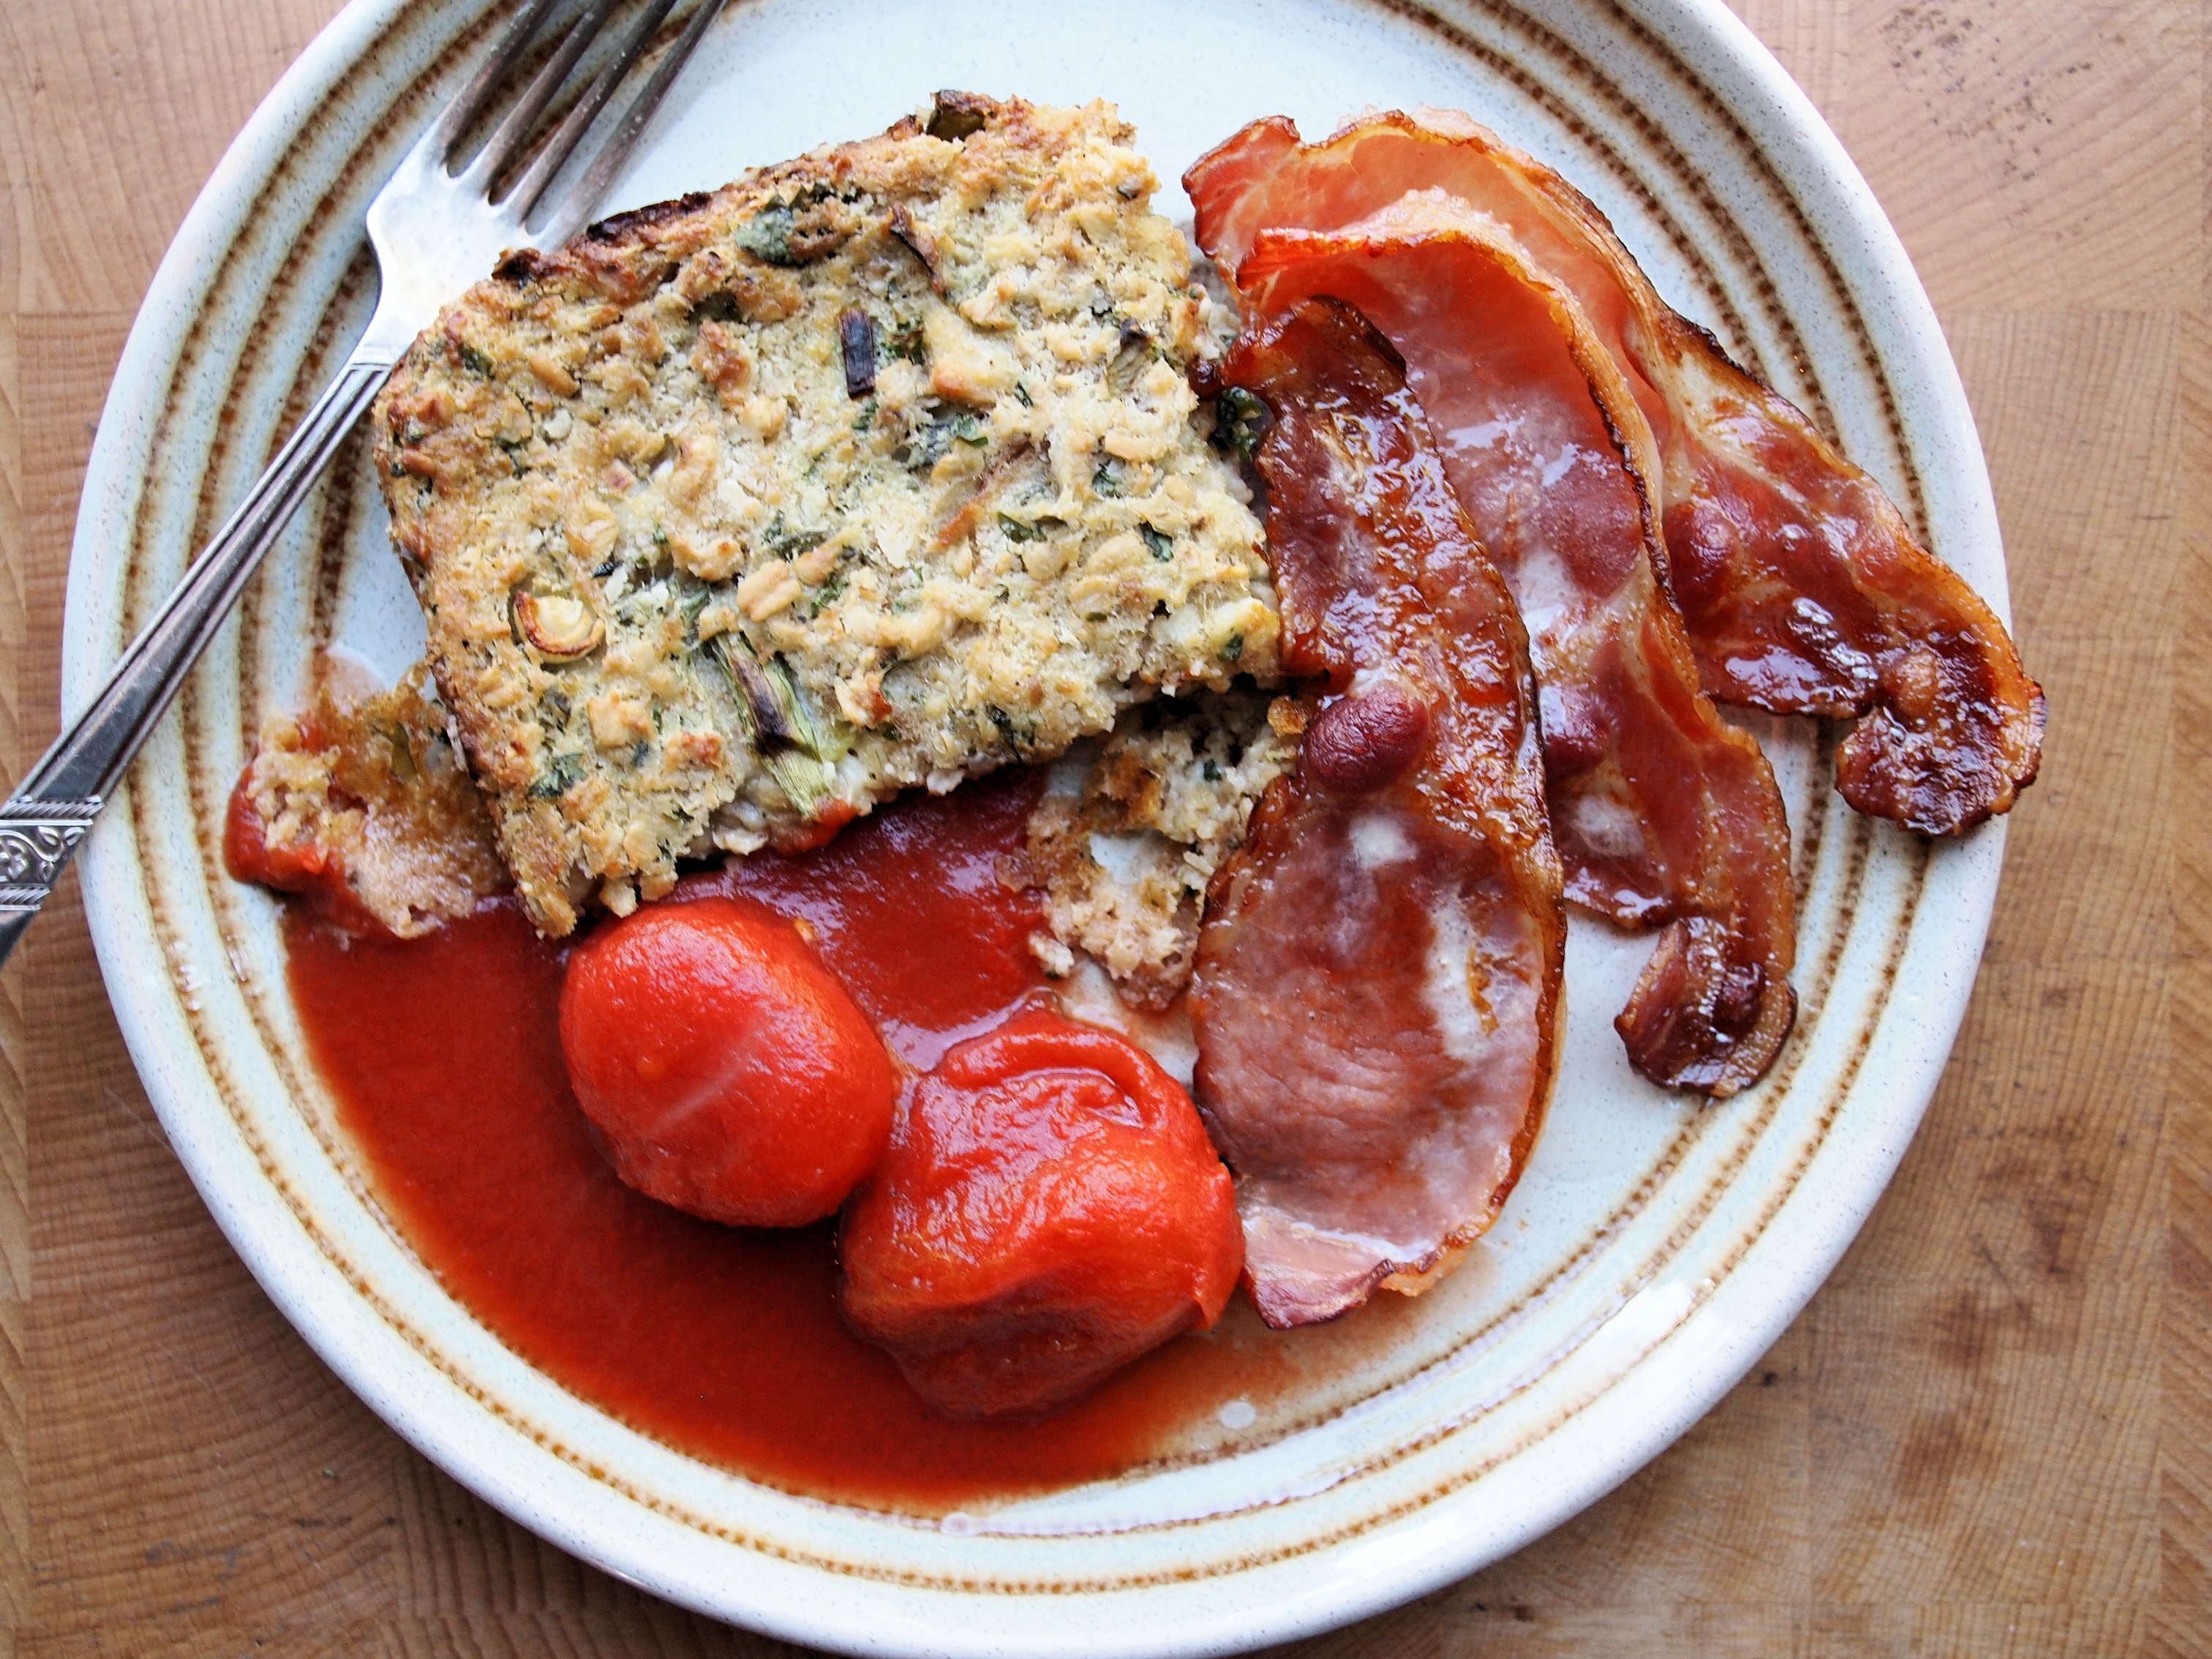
36 840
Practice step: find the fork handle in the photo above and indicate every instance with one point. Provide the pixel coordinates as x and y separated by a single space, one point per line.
55 805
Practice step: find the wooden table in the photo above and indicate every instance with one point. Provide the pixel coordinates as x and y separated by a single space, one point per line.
1991 1432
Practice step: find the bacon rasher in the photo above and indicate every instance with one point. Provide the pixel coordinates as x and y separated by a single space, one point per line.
1803 590
1664 815
1377 990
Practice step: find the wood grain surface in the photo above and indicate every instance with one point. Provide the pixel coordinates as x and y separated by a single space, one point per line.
1990 1434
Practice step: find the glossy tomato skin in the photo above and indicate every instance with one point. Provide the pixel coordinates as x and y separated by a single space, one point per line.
729 1070
1050 1208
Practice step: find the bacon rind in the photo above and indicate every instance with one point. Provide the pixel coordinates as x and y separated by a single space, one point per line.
1664 814
1803 590
1378 985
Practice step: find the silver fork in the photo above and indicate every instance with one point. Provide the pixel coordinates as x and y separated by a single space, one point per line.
435 231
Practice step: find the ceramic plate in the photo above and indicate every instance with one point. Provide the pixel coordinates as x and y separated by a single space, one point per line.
1656 1247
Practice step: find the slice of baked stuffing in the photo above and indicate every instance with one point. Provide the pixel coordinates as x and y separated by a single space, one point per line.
878 468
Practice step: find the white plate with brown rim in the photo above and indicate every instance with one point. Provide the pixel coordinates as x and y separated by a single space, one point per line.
1656 1247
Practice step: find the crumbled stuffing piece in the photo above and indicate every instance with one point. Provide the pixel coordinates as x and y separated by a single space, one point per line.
1125 855
361 805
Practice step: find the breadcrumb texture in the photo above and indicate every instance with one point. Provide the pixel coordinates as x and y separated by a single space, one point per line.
362 802
1124 846
878 468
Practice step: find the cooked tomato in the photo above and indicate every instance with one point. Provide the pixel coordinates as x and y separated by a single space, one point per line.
1050 1208
729 1070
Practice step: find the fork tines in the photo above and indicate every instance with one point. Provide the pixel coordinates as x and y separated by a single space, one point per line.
567 210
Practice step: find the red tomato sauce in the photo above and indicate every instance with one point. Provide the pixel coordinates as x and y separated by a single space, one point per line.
444 1056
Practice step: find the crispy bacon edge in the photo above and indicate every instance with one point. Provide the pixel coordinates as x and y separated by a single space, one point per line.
1714 1003
1803 588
